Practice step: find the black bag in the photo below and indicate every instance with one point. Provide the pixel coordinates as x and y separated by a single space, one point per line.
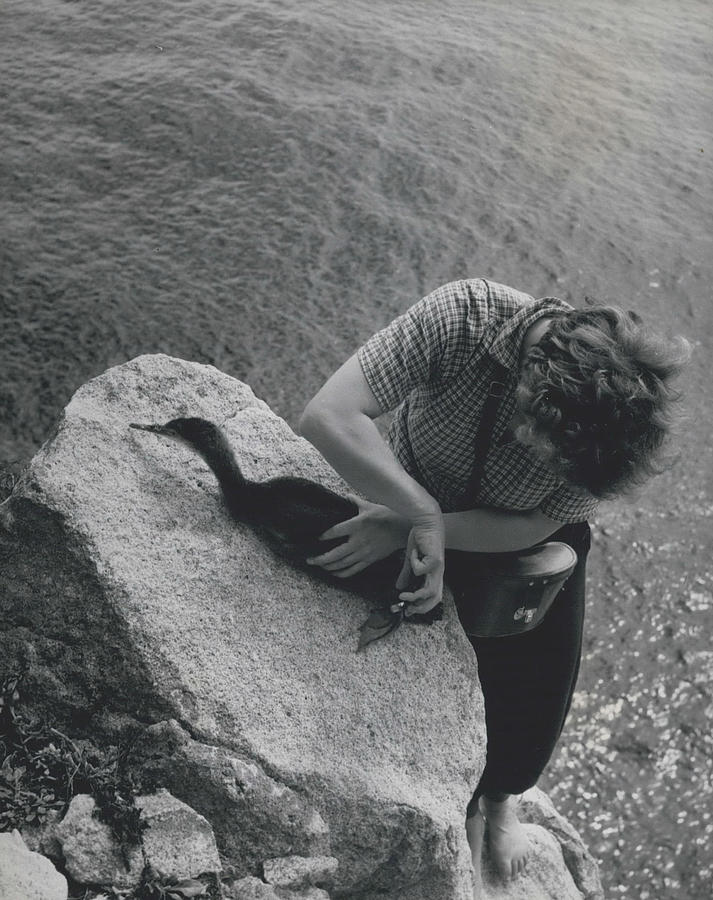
503 594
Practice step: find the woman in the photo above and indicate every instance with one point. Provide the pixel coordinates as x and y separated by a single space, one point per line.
584 412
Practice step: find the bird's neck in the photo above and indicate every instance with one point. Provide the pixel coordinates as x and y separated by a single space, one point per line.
221 460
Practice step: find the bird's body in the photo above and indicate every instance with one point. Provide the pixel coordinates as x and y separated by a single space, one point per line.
291 513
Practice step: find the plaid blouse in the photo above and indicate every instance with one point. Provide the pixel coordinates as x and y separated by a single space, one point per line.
435 363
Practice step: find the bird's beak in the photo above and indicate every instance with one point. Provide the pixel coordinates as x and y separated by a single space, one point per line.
156 429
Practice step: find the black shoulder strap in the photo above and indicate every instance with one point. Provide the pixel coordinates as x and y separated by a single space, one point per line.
483 434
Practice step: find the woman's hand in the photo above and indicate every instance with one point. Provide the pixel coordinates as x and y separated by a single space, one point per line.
374 533
425 557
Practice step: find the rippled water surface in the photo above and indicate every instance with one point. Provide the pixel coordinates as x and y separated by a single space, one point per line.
260 185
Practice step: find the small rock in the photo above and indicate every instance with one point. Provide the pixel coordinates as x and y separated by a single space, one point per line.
250 888
42 839
300 871
178 842
309 893
92 854
25 875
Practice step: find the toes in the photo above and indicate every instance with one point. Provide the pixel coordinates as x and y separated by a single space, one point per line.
506 868
510 867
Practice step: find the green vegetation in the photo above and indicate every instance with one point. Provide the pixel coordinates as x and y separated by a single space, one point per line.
41 769
8 480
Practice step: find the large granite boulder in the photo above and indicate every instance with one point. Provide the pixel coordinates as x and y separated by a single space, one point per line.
134 597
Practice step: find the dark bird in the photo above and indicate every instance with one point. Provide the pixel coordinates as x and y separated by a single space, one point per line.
290 513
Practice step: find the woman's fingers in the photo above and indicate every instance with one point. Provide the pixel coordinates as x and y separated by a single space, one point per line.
341 529
352 570
424 559
342 559
422 565
424 599
335 555
342 562
348 526
404 575
429 594
365 538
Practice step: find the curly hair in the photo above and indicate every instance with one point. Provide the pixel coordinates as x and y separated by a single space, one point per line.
597 399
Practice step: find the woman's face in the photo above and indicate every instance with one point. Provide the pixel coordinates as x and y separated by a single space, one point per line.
522 424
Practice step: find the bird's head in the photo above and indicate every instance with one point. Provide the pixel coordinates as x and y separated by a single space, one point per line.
192 430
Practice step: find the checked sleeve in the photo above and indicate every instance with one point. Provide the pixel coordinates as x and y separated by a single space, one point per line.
428 343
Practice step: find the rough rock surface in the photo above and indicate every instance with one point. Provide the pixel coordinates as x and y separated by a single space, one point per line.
273 820
300 871
178 842
306 893
252 888
132 592
537 808
91 853
26 875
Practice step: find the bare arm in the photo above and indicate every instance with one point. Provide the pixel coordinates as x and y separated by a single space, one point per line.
339 422
496 531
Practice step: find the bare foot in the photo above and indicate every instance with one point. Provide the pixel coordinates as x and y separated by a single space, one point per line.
507 840
475 829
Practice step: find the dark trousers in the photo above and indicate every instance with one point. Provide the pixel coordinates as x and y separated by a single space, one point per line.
528 681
